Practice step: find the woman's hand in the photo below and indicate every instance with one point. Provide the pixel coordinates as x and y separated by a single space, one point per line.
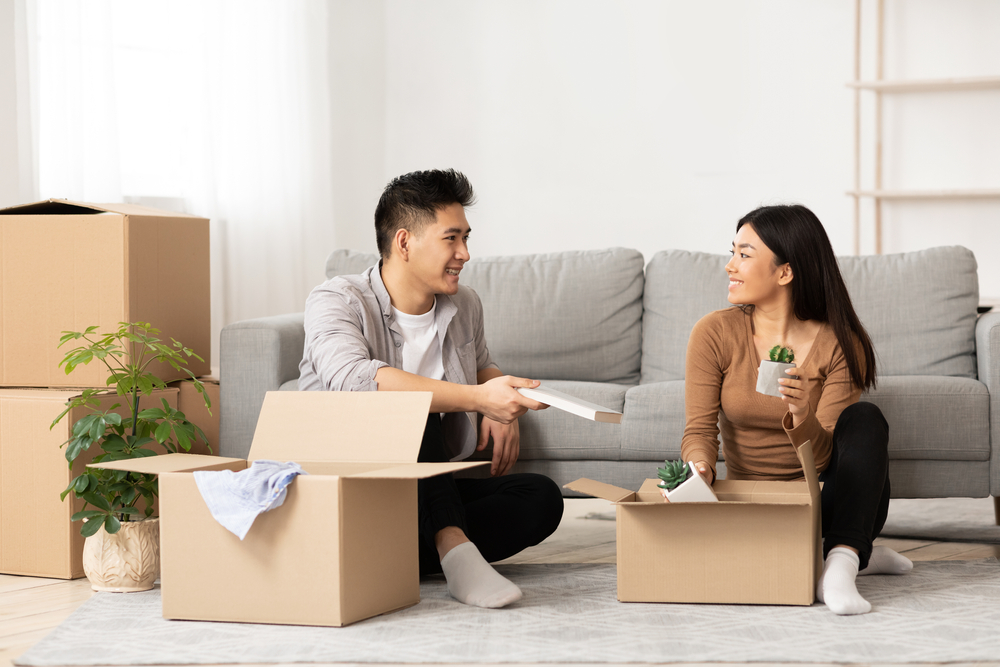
793 390
704 470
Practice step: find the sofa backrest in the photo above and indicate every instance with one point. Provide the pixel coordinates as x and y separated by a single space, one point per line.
918 307
561 316
681 287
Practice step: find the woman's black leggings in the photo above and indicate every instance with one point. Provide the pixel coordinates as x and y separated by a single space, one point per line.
500 515
856 483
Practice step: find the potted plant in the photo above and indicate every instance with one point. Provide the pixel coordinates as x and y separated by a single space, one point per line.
121 552
682 483
773 369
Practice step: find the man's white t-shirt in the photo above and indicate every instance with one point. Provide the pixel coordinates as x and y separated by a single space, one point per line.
421 344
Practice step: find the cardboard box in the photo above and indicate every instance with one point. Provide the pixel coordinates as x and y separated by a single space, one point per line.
343 547
760 544
191 403
36 535
69 265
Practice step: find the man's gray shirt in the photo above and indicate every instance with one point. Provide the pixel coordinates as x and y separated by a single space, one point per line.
351 333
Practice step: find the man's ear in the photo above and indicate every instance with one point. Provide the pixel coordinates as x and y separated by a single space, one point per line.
401 243
785 274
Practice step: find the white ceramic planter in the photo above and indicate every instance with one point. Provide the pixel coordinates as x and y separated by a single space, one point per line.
693 490
124 562
768 375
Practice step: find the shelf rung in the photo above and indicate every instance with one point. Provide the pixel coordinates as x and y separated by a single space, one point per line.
928 85
987 193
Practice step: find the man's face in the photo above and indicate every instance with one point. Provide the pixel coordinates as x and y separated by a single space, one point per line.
439 250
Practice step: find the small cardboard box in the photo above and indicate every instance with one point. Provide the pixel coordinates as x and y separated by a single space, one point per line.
343 547
37 537
760 544
69 265
191 403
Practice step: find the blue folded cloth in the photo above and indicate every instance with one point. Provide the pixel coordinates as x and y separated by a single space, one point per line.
236 498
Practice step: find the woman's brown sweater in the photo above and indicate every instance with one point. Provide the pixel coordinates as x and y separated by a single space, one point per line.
757 434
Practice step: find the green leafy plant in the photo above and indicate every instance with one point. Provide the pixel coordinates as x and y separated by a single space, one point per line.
782 354
110 496
673 474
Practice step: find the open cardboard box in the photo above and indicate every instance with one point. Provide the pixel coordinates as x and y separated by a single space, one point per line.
760 544
343 547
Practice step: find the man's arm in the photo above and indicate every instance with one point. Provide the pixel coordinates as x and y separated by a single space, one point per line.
497 398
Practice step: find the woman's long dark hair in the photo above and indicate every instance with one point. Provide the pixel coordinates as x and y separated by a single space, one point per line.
796 237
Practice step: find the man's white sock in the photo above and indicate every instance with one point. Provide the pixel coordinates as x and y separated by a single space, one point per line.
474 581
886 561
836 586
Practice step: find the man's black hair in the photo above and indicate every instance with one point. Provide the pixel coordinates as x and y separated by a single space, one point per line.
411 201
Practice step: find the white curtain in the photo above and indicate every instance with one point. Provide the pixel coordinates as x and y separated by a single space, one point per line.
218 108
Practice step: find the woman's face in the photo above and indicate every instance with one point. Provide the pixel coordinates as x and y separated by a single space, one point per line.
753 277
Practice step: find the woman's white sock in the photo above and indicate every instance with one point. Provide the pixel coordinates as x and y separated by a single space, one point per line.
836 586
886 561
472 580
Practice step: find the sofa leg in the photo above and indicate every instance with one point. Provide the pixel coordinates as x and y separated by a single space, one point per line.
996 509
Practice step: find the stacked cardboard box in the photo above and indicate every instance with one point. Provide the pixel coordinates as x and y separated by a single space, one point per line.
67 266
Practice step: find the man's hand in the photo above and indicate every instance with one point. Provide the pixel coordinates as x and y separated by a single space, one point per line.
499 399
506 444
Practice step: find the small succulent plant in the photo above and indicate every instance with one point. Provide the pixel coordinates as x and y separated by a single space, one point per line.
782 354
672 474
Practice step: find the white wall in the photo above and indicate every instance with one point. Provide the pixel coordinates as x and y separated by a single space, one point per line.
655 125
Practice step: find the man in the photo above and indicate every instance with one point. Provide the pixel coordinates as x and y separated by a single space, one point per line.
406 324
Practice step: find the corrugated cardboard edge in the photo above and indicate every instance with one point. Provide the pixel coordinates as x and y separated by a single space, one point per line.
165 463
805 455
591 487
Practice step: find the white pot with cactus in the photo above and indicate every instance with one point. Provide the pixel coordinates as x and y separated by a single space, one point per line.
773 369
682 483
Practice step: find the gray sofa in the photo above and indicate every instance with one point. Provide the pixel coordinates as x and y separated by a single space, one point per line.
600 325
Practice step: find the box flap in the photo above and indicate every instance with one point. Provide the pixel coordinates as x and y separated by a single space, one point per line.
156 465
597 489
341 426
67 207
53 207
421 470
805 454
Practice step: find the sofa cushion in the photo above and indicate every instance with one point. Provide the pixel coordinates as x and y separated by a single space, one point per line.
681 288
919 309
654 421
930 418
935 417
559 435
563 316
348 263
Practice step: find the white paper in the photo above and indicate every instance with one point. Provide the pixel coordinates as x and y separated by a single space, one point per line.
572 404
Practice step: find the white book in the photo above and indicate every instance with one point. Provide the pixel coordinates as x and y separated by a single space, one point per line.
572 404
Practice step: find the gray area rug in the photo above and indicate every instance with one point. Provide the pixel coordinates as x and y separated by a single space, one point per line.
944 611
943 520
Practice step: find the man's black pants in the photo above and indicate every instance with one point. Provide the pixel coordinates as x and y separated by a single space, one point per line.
500 515
856 483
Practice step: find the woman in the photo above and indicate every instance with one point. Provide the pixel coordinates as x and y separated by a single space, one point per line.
786 279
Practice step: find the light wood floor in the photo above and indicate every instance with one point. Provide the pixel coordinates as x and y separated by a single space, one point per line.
31 607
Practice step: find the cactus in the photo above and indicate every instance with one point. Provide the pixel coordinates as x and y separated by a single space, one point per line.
672 474
782 354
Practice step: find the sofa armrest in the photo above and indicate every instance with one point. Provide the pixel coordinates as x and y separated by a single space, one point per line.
256 356
988 359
